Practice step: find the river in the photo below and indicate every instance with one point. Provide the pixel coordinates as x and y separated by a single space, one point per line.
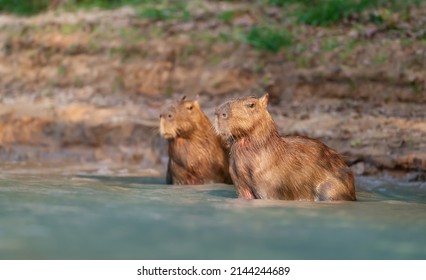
82 216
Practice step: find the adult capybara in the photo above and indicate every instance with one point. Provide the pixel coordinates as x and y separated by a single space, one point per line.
197 155
265 165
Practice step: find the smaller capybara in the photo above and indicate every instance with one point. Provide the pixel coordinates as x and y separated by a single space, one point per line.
197 155
265 165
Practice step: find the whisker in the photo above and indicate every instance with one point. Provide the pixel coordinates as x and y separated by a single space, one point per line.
154 130
214 129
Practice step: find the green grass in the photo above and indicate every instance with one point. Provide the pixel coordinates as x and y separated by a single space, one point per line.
267 38
105 4
153 9
312 12
32 7
327 12
227 16
179 12
24 8
157 10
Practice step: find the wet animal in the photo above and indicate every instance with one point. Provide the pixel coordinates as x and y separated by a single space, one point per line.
197 155
266 165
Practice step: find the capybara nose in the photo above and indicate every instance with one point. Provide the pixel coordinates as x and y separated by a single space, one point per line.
167 115
222 111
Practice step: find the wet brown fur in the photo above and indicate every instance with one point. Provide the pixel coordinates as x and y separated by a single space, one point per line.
265 165
197 154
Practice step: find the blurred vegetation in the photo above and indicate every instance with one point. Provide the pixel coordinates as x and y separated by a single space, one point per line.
327 12
266 34
167 11
314 12
26 8
360 35
105 4
268 38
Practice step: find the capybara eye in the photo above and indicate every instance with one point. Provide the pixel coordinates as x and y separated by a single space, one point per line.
170 116
250 105
190 107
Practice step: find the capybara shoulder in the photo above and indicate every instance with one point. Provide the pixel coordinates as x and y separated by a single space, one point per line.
265 165
196 154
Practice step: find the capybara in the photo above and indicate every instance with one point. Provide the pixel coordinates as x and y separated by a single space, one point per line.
265 165
197 155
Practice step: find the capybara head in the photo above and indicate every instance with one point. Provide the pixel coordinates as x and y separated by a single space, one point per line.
244 117
181 119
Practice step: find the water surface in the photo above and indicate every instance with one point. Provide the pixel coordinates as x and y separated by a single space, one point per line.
111 217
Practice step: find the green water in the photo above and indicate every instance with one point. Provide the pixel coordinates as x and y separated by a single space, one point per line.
88 217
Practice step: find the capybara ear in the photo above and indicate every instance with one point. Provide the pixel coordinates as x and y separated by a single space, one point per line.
196 101
264 100
183 98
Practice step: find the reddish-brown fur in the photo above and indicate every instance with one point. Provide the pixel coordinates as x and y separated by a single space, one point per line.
265 165
196 154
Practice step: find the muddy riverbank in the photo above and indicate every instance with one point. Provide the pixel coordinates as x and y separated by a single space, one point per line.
87 87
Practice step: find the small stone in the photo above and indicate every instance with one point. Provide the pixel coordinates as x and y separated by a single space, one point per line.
358 168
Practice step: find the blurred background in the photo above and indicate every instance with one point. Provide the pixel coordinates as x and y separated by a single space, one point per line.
82 81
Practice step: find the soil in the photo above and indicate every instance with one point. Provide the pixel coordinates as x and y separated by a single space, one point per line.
87 87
